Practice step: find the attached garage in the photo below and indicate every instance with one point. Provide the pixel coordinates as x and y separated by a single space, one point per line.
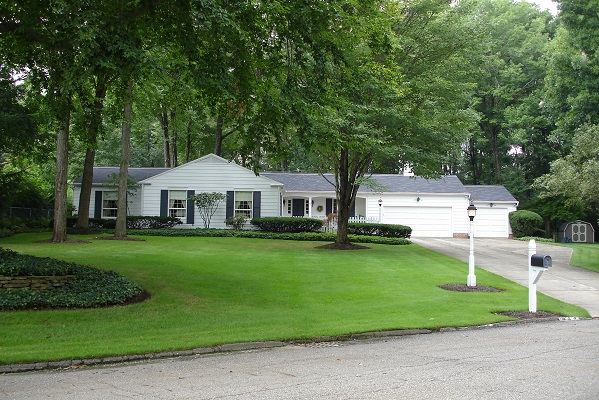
491 222
424 221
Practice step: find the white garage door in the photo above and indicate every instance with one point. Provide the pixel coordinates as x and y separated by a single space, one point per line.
424 221
491 222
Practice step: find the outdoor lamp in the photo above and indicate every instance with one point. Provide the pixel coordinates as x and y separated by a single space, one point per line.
471 281
471 211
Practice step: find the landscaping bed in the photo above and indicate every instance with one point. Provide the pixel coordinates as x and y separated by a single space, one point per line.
86 287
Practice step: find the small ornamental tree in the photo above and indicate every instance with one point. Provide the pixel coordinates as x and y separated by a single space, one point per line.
207 204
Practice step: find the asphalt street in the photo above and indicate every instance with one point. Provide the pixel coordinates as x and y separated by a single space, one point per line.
543 360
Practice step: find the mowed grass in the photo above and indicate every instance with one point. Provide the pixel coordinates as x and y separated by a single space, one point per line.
210 291
585 255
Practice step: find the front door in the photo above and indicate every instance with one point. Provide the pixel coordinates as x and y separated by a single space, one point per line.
298 208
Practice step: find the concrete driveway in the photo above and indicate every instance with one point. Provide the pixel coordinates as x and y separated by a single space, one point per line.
509 258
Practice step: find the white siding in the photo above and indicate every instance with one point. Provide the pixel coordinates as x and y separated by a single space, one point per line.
428 215
210 174
492 221
133 201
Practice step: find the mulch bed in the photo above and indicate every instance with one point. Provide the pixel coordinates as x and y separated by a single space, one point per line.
456 287
69 241
342 246
126 238
528 315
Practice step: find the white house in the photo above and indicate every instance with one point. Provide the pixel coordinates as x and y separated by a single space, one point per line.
431 207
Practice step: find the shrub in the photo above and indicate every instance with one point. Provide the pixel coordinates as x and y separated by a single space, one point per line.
92 288
526 223
304 236
20 225
133 222
283 224
384 230
237 222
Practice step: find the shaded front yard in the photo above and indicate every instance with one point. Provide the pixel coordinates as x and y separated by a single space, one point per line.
208 291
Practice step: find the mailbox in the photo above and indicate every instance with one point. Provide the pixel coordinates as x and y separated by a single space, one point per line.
540 260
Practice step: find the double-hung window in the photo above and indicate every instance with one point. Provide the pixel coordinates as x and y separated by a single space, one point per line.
109 207
177 203
243 204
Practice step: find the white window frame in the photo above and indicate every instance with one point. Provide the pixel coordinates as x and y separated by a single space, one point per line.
244 204
177 203
109 204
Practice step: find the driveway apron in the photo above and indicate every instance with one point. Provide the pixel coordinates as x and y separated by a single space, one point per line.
509 258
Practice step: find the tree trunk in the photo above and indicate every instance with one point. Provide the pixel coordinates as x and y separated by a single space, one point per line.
86 190
344 198
218 142
173 143
90 155
59 230
121 216
188 144
163 118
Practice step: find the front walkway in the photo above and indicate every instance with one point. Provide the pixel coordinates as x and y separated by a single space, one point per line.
509 258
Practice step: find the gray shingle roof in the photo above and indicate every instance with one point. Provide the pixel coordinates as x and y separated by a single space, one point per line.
311 182
490 193
391 183
102 174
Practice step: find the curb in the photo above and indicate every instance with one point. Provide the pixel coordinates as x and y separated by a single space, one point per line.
248 346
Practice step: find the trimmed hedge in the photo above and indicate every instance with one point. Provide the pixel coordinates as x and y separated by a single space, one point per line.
285 224
133 222
303 236
92 288
526 223
384 230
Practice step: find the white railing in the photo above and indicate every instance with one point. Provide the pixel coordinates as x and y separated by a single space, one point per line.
331 225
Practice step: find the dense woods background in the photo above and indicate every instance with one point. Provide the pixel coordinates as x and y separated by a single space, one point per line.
494 91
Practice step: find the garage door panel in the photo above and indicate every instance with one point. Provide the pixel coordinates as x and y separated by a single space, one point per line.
424 221
490 223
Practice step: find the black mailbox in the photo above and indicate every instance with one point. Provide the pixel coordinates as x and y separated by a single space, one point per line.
540 260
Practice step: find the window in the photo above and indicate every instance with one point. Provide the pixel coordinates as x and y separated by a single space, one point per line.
109 208
177 203
243 204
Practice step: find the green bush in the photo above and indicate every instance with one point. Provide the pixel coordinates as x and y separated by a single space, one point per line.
384 230
285 224
92 288
304 236
20 225
526 223
133 222
237 222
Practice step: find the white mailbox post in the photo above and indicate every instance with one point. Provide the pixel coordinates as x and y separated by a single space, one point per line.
537 264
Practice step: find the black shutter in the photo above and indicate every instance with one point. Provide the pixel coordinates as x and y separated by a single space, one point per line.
329 206
230 203
352 211
164 203
256 200
98 205
190 207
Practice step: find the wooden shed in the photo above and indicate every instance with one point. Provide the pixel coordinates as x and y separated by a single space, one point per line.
576 232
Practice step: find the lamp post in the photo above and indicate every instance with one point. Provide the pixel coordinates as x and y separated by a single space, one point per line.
471 276
380 209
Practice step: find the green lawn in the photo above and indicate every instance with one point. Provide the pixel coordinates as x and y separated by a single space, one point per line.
585 255
208 291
